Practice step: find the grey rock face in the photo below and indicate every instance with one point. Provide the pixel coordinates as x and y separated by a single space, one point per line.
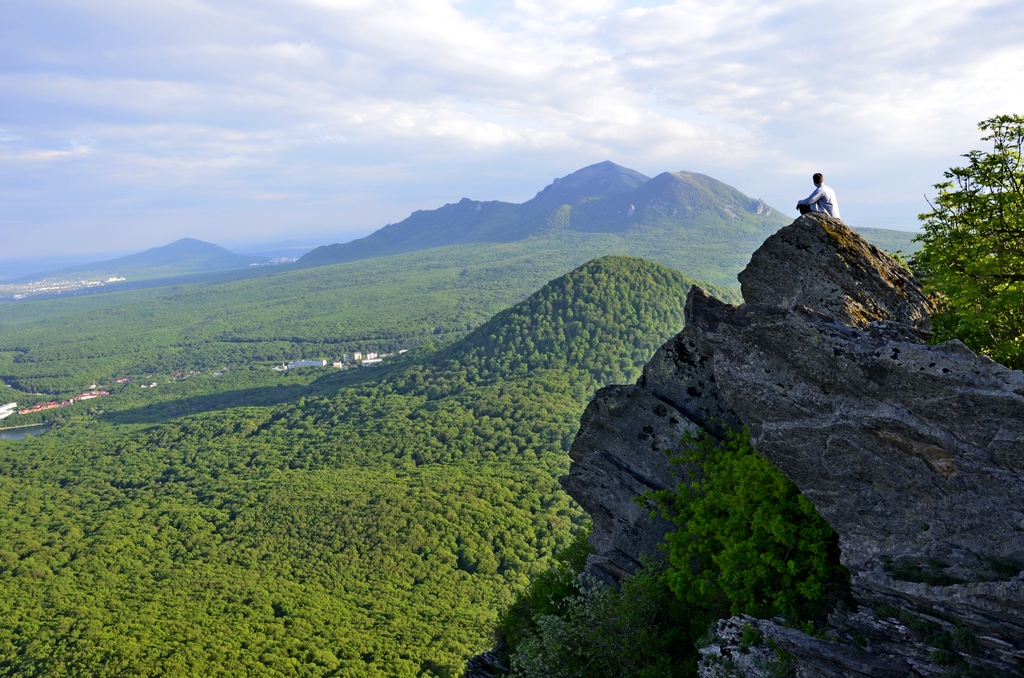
819 263
758 206
623 450
618 455
486 664
741 648
907 450
913 453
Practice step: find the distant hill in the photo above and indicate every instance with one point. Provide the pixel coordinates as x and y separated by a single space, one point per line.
607 317
602 198
26 267
187 255
890 240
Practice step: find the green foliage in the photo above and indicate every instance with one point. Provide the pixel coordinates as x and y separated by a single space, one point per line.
332 535
365 523
549 593
748 541
606 317
973 246
604 632
750 636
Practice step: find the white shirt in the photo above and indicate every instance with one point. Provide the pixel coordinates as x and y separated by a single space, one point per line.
823 200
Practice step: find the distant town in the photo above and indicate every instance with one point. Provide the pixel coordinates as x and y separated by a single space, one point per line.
9 409
56 285
276 261
50 286
358 359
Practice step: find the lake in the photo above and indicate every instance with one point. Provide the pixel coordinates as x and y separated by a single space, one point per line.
20 432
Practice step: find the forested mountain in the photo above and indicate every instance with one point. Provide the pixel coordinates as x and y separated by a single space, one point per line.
601 198
603 318
186 255
361 527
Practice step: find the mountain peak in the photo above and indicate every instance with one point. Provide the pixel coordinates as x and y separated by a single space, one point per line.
188 244
594 181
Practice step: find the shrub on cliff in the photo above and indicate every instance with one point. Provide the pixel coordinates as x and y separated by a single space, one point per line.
748 541
604 632
973 246
562 626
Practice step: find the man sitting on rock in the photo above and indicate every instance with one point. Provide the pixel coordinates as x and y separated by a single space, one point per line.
823 199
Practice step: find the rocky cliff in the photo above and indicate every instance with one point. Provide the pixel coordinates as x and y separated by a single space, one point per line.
913 453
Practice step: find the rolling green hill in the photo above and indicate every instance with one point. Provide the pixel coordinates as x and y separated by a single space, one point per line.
363 528
605 318
186 255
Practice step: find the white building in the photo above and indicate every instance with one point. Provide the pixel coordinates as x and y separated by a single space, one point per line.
306 363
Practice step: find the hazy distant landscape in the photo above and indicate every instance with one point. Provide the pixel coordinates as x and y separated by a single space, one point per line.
407 339
684 220
320 521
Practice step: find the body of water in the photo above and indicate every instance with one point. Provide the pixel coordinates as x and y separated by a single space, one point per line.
20 432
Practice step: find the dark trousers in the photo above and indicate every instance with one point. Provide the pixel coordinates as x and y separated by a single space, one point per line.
804 209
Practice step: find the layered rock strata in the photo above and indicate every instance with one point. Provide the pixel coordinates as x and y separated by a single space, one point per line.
913 453
618 455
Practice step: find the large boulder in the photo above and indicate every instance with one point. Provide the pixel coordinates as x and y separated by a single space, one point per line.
820 263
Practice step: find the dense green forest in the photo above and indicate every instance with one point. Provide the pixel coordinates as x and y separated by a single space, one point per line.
372 522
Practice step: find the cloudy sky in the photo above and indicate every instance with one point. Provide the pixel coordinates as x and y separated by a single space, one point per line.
126 124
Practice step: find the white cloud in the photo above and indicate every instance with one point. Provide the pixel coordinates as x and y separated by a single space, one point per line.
205 105
562 10
73 150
